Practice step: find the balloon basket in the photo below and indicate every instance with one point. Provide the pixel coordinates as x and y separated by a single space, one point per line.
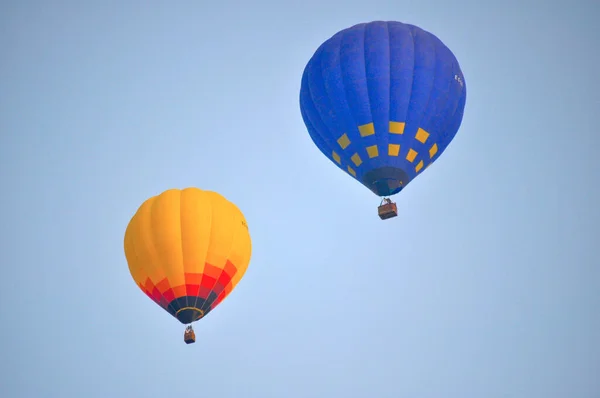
387 210
189 336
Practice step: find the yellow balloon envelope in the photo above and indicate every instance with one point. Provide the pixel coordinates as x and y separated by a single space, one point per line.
187 250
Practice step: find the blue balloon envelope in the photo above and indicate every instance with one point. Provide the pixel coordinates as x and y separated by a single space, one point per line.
382 100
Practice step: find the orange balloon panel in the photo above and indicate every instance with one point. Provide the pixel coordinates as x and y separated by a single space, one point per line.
187 249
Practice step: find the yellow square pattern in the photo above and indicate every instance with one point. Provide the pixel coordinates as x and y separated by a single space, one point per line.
373 151
419 166
411 155
433 150
343 141
366 130
396 127
421 135
336 157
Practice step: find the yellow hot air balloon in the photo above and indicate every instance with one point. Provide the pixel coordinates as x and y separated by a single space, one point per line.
187 250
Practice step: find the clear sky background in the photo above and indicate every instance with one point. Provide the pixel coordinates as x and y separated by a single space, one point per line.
486 285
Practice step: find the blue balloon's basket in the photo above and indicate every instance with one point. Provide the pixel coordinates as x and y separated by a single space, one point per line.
387 209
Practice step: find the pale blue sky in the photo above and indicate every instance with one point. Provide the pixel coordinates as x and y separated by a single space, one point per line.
486 285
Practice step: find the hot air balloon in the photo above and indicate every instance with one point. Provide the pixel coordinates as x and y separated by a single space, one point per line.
382 100
187 250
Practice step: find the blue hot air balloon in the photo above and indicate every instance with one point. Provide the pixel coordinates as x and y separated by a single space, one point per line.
382 100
